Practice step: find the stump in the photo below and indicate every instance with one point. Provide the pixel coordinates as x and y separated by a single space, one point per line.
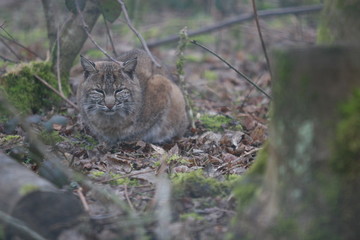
310 187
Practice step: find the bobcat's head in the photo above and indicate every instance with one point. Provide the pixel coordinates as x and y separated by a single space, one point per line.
110 89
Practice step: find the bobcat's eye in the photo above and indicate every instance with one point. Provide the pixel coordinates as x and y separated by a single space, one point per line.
99 91
122 93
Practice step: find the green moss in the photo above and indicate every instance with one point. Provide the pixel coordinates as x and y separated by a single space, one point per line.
195 58
50 138
284 227
85 141
217 123
347 142
94 53
28 188
118 179
249 185
259 166
97 173
195 184
27 93
324 35
210 75
10 139
177 159
194 216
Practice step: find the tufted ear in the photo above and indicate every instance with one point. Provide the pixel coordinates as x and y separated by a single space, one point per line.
88 66
129 66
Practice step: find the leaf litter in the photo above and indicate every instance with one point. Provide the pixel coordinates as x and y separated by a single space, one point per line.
202 167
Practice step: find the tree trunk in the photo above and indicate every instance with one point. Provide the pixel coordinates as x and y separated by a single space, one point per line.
73 35
36 202
311 184
340 22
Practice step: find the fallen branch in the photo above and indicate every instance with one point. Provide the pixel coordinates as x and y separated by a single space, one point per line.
56 91
242 18
230 66
143 43
260 36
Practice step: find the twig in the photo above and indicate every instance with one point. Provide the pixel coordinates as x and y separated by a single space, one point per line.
56 91
143 43
242 18
8 59
82 198
128 199
127 176
110 38
19 226
230 66
58 62
10 49
12 39
86 29
260 36
180 71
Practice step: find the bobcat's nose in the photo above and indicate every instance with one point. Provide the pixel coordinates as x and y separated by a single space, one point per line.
109 102
110 105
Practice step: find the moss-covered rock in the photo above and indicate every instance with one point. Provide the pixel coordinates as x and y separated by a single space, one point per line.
26 92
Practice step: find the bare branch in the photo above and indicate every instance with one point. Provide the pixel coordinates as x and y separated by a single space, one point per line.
80 193
86 28
143 43
128 199
110 38
8 59
230 66
56 91
238 19
10 49
58 62
260 36
12 39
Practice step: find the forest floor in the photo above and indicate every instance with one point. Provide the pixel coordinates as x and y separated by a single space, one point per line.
230 126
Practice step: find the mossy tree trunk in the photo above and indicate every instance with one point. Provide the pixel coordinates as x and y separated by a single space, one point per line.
311 183
310 186
340 22
72 37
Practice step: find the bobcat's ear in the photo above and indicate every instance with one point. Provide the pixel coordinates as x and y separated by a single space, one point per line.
129 67
87 65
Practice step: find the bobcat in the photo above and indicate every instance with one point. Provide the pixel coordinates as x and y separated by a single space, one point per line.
130 101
